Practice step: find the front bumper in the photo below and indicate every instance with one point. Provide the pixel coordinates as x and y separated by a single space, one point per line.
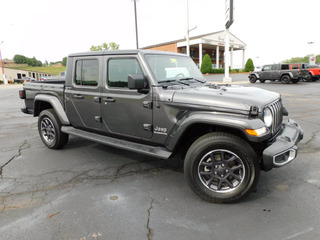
284 148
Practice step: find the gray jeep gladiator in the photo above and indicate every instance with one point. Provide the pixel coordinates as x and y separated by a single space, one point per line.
159 104
286 73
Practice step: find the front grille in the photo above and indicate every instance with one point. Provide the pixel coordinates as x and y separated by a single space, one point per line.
277 114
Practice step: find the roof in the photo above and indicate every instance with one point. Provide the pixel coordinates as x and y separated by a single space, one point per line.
191 38
122 52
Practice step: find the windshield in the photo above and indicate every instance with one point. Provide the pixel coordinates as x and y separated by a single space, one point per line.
173 67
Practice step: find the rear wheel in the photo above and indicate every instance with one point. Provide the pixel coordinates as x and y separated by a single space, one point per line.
221 168
49 127
285 79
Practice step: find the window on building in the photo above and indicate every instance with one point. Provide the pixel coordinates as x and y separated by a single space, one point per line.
87 72
213 54
119 69
192 53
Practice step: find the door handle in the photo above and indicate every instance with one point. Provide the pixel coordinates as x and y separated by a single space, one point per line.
109 99
78 96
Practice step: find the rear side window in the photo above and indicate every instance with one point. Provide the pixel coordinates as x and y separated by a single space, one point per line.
119 69
284 66
294 66
87 72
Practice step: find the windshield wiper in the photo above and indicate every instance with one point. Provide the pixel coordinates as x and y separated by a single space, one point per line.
190 78
174 80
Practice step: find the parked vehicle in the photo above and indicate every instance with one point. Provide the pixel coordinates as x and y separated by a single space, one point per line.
158 103
314 72
286 73
24 79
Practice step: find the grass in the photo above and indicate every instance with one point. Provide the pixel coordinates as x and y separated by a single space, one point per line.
48 70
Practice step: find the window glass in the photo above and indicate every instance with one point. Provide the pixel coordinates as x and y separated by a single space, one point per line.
119 69
170 67
266 68
295 66
274 67
284 66
87 72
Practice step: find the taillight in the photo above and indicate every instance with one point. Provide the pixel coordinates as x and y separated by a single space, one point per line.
22 94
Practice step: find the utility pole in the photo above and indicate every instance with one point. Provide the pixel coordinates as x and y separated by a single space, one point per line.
188 44
135 16
228 21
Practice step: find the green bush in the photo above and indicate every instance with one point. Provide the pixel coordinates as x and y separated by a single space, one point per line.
249 67
206 66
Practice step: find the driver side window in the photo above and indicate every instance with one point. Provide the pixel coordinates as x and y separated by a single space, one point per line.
119 69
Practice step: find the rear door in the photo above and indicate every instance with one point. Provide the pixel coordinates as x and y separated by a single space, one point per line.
83 94
125 112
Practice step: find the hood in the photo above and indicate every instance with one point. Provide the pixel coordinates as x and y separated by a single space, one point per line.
225 96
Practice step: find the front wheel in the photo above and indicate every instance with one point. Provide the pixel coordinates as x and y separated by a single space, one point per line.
221 168
252 78
49 127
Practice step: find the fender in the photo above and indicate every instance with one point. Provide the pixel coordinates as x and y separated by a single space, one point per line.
239 122
287 73
55 103
256 74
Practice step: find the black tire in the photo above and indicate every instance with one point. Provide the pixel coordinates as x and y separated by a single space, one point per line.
49 127
309 78
285 79
262 81
252 78
295 80
221 168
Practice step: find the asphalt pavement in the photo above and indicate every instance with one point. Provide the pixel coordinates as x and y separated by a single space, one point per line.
90 191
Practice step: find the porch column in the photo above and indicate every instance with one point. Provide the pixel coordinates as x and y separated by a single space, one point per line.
231 58
200 55
217 57
243 58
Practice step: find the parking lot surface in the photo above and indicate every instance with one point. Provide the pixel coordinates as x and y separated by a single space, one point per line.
91 191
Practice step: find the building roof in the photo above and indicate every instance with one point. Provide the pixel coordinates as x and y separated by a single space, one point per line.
215 36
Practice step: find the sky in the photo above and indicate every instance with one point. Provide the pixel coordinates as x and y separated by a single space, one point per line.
274 30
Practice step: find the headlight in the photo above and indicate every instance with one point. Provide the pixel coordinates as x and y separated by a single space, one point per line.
267 117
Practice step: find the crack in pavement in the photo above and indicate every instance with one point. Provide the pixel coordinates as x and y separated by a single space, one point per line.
150 232
34 195
15 156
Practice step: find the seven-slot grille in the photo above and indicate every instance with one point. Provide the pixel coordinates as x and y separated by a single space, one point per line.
277 115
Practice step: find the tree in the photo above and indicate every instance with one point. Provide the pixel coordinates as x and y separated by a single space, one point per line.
206 66
19 59
105 46
64 61
249 67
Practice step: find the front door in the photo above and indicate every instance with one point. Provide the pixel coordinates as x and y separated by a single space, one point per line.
125 112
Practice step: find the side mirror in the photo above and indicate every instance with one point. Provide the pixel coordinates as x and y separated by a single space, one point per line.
137 81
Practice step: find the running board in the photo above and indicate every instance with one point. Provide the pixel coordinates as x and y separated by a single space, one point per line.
158 152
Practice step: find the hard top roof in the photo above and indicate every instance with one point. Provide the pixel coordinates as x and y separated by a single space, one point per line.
123 52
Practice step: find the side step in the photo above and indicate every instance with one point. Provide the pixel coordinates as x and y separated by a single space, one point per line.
158 152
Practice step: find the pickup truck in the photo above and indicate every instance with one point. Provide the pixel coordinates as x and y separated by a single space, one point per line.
286 73
159 104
